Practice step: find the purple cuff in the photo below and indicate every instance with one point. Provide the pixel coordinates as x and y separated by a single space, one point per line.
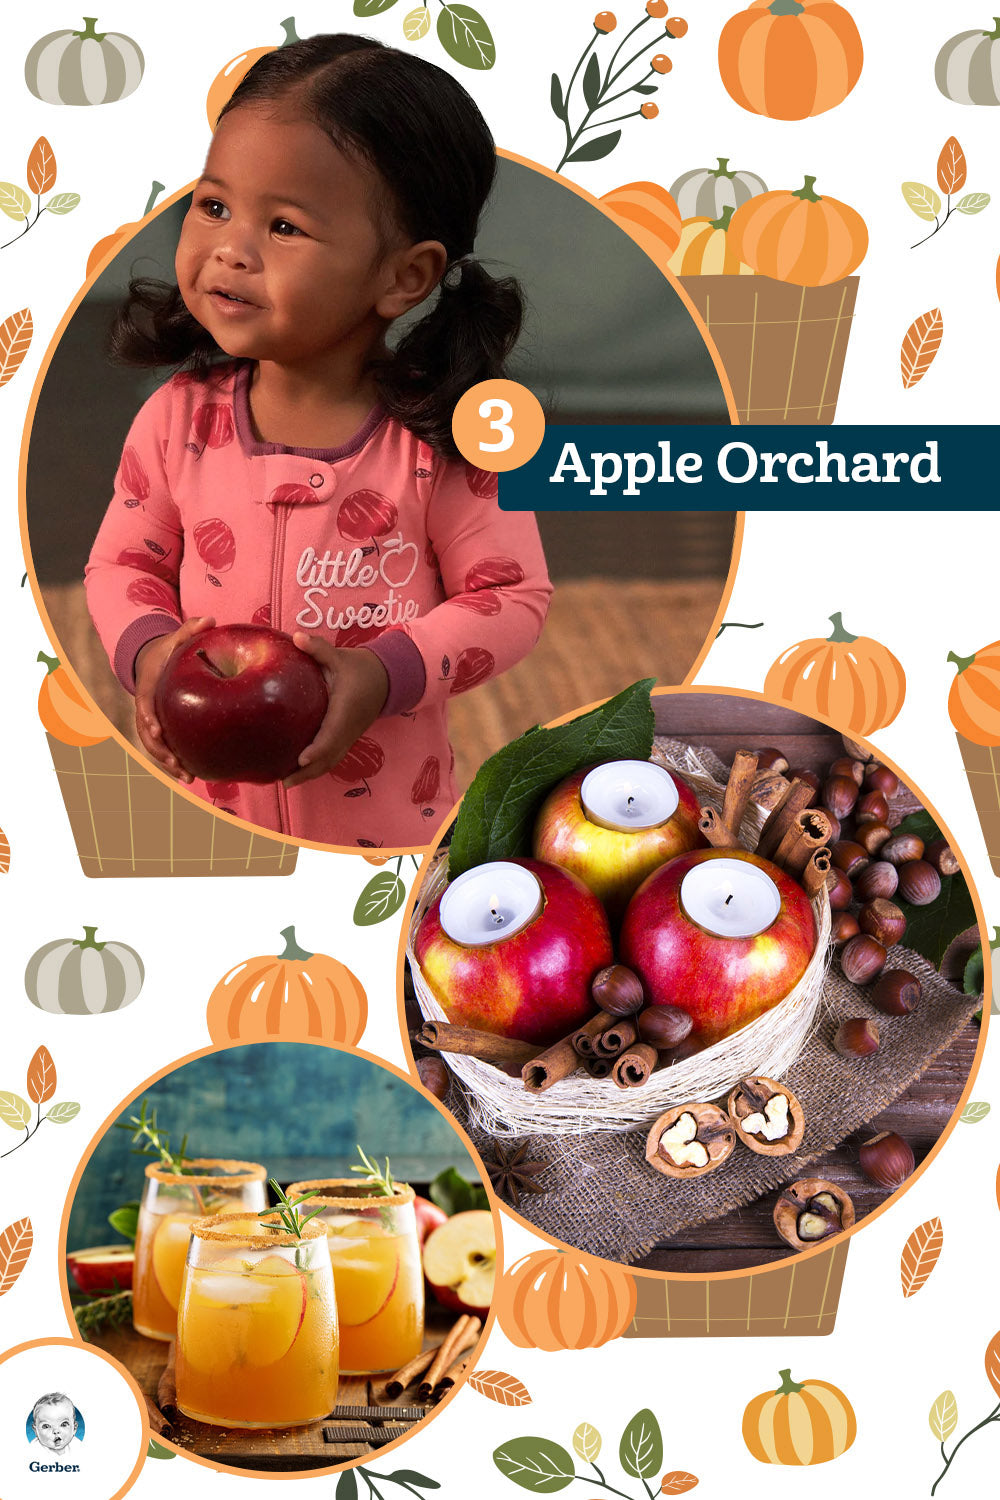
131 641
405 669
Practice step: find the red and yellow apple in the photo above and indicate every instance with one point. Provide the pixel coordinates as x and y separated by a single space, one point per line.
611 862
723 983
460 1262
428 1217
105 1268
533 985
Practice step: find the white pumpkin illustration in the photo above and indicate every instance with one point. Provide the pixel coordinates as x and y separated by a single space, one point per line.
82 977
84 67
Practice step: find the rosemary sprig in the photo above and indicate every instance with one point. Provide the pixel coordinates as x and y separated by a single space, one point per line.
153 1141
383 1181
103 1311
287 1210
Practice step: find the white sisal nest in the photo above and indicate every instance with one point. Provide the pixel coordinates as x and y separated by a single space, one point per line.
579 1104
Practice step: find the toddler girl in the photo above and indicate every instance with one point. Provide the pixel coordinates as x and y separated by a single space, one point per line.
311 482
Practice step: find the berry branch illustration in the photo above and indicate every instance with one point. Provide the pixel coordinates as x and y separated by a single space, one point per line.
597 85
544 1467
408 1479
943 1416
41 173
41 1085
925 202
383 895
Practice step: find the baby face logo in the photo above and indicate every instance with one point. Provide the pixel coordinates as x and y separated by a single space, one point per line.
56 1424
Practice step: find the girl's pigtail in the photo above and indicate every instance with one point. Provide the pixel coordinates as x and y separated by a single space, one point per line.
467 337
153 327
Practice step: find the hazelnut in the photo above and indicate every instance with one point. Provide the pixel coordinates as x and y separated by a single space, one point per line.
839 889
881 779
883 921
809 777
849 857
897 993
862 959
880 879
770 759
840 794
842 928
856 1038
871 807
871 836
901 848
810 1210
886 1160
940 855
617 991
435 1077
664 1026
848 766
689 1047
919 882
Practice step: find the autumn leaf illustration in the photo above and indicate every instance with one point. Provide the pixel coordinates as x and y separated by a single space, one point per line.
498 1386
921 344
15 341
15 1247
974 1111
41 1076
920 1255
952 167
587 1442
677 1483
41 166
993 1362
4 853
944 1416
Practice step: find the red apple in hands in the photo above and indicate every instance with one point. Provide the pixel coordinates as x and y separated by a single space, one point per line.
240 703
460 1262
723 983
428 1217
102 1269
534 985
611 863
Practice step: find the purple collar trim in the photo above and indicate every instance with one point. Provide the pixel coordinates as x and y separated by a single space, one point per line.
254 448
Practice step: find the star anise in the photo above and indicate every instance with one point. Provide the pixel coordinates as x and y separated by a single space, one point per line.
511 1174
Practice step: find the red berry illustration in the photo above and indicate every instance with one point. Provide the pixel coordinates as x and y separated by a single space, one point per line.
154 593
357 635
145 562
222 791
366 514
428 782
261 616
483 484
493 573
291 494
133 476
485 602
212 425
364 760
216 545
474 665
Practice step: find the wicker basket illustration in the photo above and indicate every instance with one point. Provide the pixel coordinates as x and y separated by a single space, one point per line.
783 346
982 766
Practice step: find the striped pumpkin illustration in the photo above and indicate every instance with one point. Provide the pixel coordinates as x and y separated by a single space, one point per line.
82 977
704 192
295 997
974 697
64 711
850 679
706 250
650 215
805 1424
83 67
788 59
558 1299
967 70
799 237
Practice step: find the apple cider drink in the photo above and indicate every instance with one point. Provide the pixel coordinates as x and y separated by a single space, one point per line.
171 1202
257 1323
377 1272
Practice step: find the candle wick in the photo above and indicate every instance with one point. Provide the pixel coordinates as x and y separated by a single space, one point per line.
630 801
729 898
497 918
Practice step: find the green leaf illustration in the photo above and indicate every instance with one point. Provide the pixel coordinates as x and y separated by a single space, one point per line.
556 98
536 1464
596 149
944 1416
972 203
644 88
410 1476
974 1111
15 1111
587 1442
125 1220
381 898
347 1485
64 203
592 82
372 7
922 200
465 37
14 202
157 1450
417 24
641 1450
61 1114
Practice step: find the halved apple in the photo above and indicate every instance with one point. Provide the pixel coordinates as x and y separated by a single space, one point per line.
460 1259
102 1269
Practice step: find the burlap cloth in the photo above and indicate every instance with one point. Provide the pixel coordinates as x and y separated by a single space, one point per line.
600 1194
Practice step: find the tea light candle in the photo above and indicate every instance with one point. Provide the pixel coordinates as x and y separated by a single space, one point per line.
730 898
629 795
490 904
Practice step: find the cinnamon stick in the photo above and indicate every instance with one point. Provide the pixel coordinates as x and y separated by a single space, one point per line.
396 1384
633 1068
599 1067
166 1390
463 1333
447 1381
738 789
441 1036
584 1039
712 826
555 1063
814 876
797 799
158 1423
617 1038
810 830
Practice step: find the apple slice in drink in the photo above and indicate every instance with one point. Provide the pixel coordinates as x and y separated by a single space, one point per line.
275 1320
170 1247
365 1264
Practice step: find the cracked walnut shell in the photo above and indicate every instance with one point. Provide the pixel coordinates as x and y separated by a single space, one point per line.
811 1211
690 1140
768 1117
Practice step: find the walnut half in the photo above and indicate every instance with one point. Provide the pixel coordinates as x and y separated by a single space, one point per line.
812 1210
768 1117
690 1140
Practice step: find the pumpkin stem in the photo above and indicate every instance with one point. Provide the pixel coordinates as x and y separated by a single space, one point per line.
288 27
786 8
961 662
88 940
805 192
788 1386
292 949
839 633
994 35
996 941
50 661
155 192
89 33
722 170
722 222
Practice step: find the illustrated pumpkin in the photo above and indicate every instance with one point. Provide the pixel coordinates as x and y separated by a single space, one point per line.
84 67
974 699
851 680
967 69
788 59
704 192
124 231
225 82
705 249
650 215
65 712
557 1299
805 1424
799 237
82 977
297 997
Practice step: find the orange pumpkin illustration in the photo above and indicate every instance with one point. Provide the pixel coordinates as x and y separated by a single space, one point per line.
805 1424
650 215
557 1299
851 680
123 232
788 59
66 713
297 996
799 237
705 249
225 81
974 699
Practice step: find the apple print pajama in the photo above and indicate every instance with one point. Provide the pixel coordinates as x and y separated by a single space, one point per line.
379 543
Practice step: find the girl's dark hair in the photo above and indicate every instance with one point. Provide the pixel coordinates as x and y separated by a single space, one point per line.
434 160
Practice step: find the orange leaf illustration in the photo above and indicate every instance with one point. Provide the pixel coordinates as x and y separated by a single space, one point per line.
993 1362
952 167
15 1247
4 853
500 1387
920 1255
15 341
921 344
41 1076
677 1482
41 166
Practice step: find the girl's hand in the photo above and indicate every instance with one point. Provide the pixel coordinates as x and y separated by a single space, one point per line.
149 666
358 685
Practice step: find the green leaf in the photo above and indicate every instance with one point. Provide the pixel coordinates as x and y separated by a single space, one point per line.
641 1450
125 1220
417 24
14 202
921 823
453 1195
157 1450
498 811
61 1114
974 1111
381 899
923 200
372 7
944 1416
556 98
592 82
587 1442
15 1111
410 1476
465 37
972 203
347 1486
974 974
930 929
594 150
535 1464
64 203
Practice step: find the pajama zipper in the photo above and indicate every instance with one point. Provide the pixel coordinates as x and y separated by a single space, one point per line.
281 513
